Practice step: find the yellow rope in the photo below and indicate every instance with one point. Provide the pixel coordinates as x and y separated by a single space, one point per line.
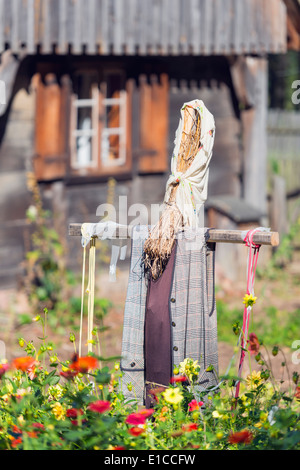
82 297
91 291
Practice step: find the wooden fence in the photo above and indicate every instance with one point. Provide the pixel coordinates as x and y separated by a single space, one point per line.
284 168
284 147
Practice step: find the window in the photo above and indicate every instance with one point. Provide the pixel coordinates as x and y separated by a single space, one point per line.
99 125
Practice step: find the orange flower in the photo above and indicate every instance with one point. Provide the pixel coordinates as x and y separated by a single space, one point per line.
23 363
16 442
84 364
163 412
253 344
190 427
135 431
241 437
297 393
32 434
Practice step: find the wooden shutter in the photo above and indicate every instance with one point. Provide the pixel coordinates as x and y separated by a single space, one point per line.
51 128
154 120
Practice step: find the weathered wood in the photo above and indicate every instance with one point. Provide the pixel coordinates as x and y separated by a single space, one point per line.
214 235
154 121
152 27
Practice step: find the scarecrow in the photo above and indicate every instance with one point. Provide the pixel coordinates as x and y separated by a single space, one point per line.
170 312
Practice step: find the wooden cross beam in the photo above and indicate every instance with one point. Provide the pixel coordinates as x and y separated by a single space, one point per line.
214 235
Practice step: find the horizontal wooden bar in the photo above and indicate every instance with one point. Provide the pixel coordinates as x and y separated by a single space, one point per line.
214 235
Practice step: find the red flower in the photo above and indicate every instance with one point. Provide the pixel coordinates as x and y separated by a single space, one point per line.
73 412
23 363
16 442
38 426
190 427
3 369
135 431
146 412
253 344
15 430
135 419
178 379
156 391
139 417
119 448
83 364
100 406
195 405
68 374
32 434
241 437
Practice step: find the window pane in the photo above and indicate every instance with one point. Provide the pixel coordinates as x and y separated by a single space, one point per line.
110 148
83 151
84 118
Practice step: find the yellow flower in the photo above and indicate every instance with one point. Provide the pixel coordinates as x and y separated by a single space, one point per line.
189 368
216 414
254 380
249 300
173 396
58 411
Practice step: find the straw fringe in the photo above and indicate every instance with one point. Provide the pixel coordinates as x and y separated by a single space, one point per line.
159 245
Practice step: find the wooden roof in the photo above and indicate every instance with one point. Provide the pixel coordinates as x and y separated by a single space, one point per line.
143 27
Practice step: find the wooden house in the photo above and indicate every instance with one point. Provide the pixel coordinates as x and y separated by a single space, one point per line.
94 89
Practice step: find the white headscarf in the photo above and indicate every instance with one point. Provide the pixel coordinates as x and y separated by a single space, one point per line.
191 193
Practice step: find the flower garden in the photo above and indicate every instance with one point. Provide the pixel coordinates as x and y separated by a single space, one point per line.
48 404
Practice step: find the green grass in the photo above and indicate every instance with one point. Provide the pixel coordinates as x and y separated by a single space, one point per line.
274 326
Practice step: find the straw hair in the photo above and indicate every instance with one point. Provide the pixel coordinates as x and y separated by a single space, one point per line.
159 244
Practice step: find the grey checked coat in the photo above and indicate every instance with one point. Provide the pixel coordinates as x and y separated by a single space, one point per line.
192 311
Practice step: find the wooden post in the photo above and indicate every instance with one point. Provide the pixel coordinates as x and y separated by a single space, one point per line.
214 235
255 132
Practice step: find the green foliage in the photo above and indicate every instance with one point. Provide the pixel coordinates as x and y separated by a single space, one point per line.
49 404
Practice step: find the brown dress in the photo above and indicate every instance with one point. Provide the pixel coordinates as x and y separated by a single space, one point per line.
158 356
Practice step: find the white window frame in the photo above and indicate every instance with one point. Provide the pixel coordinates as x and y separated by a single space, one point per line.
96 142
93 132
120 131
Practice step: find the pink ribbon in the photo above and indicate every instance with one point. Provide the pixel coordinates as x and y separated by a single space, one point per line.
251 269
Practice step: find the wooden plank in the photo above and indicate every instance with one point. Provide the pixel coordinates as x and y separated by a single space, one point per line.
208 27
32 27
129 26
77 49
15 26
91 39
164 27
2 25
154 121
62 37
105 19
214 235
46 44
195 27
180 28
255 133
237 26
156 26
118 24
